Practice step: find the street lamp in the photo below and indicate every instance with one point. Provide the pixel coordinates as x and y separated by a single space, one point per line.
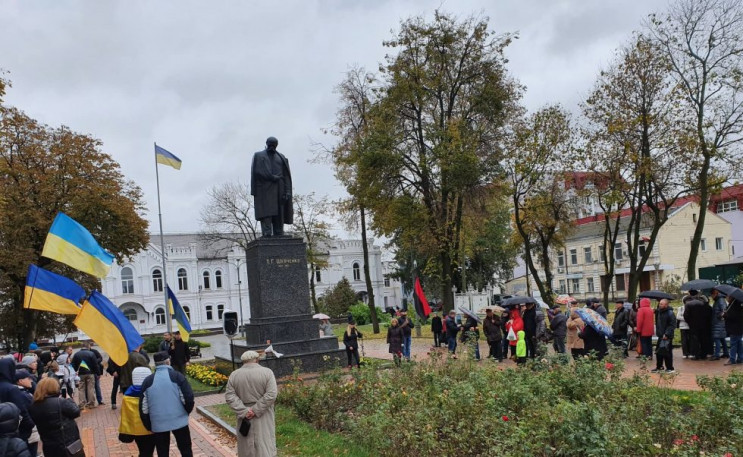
238 263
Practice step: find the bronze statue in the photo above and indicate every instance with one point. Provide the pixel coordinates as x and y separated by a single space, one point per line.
271 188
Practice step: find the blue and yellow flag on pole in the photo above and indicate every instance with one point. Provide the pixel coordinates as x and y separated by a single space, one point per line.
102 321
72 244
47 291
167 158
180 316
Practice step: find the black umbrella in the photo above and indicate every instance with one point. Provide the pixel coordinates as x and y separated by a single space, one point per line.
656 295
517 300
698 284
730 291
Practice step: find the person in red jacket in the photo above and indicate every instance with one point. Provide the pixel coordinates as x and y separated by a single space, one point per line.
515 323
645 327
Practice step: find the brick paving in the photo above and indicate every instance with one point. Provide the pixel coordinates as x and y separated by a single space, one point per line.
99 429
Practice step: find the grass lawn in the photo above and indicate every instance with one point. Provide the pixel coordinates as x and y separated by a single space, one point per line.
295 438
199 386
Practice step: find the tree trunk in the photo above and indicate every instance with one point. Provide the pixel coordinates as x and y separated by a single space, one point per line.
367 274
696 240
446 281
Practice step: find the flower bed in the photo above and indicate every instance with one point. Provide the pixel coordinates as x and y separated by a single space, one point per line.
548 408
206 375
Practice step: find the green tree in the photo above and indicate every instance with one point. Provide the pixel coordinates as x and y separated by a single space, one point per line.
433 134
339 299
308 217
703 41
43 171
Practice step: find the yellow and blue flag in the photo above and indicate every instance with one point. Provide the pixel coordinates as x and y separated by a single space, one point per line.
72 244
167 158
47 291
102 321
180 316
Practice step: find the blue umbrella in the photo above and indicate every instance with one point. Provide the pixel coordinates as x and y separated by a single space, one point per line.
595 320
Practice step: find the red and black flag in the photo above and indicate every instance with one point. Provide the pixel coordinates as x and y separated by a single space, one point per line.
421 304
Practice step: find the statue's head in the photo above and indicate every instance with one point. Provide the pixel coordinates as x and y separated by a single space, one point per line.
271 143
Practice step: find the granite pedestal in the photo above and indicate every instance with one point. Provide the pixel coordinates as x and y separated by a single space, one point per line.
280 309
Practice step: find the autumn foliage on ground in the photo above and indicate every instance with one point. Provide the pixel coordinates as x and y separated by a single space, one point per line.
548 408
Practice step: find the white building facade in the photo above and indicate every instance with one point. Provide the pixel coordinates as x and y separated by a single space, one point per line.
209 279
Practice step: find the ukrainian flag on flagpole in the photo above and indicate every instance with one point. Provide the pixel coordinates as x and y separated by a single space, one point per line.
180 316
167 158
102 321
72 244
47 291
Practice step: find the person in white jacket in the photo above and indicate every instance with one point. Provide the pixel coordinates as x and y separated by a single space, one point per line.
684 327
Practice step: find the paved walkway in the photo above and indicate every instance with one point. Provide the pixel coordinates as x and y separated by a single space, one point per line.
99 428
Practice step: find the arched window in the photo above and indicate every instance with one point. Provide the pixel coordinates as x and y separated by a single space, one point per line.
187 310
356 272
127 280
209 312
218 279
160 316
157 280
131 314
182 279
220 311
207 280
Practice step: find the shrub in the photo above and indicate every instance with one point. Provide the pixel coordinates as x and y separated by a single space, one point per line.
547 408
362 314
152 343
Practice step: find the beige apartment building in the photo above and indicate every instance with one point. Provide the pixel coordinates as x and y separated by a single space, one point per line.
579 267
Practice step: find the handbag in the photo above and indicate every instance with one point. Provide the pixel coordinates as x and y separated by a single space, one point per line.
663 347
75 448
511 335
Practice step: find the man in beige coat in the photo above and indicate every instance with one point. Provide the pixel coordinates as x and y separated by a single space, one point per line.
251 392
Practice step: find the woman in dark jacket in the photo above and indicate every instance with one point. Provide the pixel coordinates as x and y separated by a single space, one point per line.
10 444
350 340
594 341
54 417
394 339
734 326
491 328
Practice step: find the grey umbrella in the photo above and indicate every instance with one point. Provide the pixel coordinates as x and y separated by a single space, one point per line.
656 295
469 313
698 284
730 291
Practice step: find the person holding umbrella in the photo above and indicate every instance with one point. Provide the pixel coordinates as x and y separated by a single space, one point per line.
698 314
718 325
734 326
665 326
471 335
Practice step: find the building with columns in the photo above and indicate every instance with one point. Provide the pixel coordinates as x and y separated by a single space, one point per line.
207 279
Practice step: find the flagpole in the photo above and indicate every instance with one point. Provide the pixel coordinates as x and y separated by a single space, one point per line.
168 320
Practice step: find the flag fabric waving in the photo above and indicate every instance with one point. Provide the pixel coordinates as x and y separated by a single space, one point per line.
47 291
421 304
167 158
72 244
102 321
180 316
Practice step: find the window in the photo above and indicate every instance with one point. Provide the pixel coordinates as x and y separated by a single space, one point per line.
127 280
386 281
718 244
619 282
576 285
318 276
386 302
587 255
182 279
730 205
131 314
573 257
602 253
703 244
187 310
157 281
694 217
218 279
356 272
618 252
160 316
220 311
589 285
209 314
560 259
642 249
207 280
562 286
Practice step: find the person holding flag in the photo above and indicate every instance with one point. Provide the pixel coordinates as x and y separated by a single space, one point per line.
87 367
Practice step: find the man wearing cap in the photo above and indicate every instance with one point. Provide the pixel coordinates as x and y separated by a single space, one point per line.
166 402
251 392
9 392
559 327
597 306
407 337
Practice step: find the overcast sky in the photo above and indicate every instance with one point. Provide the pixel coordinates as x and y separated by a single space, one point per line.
209 81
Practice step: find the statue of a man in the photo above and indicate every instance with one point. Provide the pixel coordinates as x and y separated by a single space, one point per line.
271 188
